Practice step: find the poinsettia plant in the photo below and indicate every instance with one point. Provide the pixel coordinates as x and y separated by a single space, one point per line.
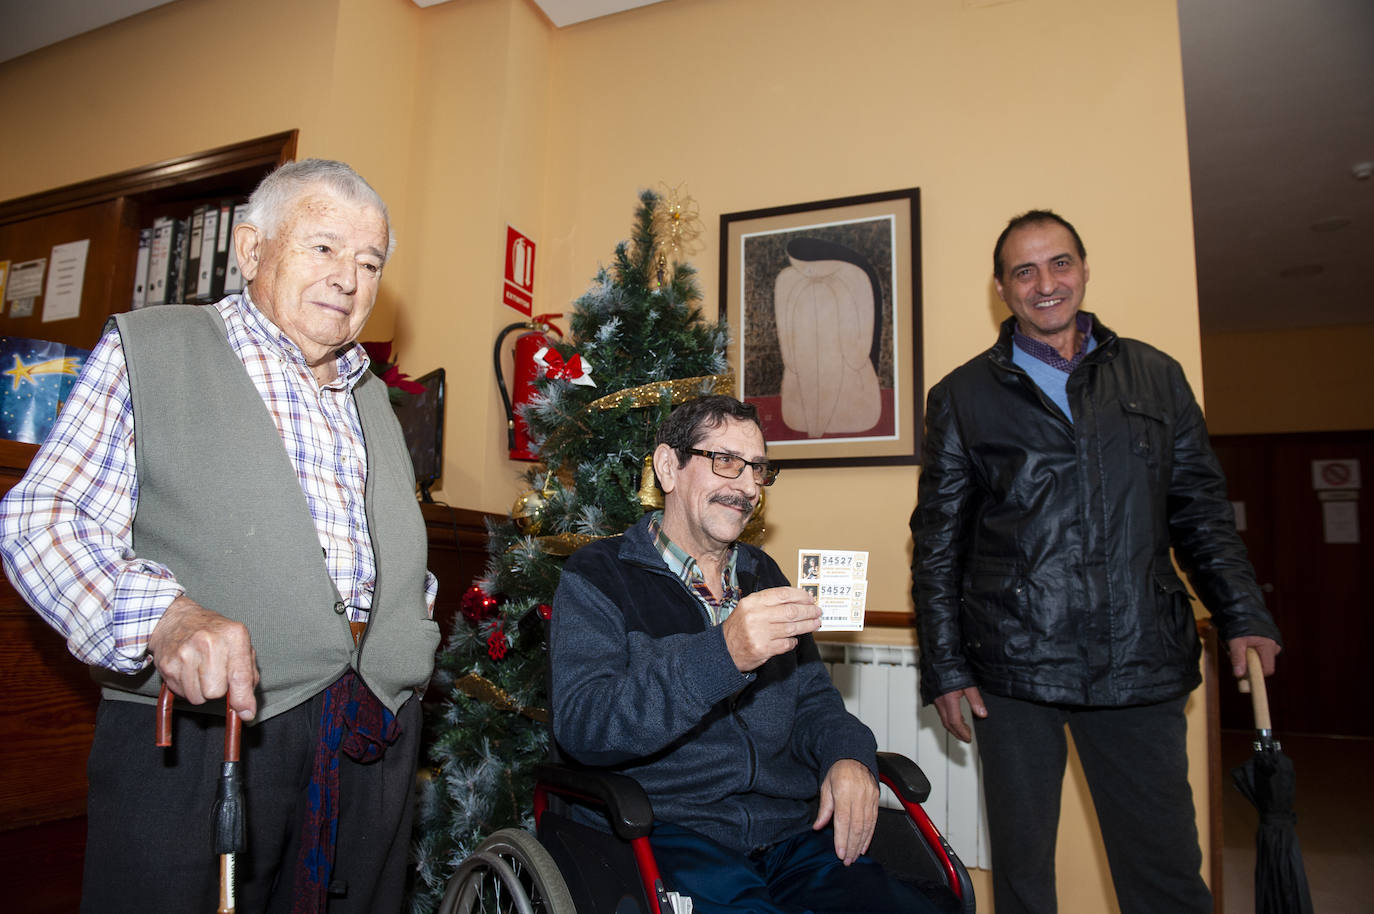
397 381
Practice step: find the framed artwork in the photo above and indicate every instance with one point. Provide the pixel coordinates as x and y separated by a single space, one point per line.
824 305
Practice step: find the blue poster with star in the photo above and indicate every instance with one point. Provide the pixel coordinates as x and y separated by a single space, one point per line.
35 378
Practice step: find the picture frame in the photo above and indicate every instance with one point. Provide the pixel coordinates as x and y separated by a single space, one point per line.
824 304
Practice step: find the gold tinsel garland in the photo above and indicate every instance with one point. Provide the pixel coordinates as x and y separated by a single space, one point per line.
679 390
565 543
676 229
484 690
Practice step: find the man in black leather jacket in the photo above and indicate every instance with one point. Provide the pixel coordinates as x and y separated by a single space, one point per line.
1061 467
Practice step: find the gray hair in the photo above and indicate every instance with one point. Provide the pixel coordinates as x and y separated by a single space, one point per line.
274 196
689 423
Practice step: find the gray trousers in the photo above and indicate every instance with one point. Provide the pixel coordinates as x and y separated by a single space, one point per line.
149 845
1136 763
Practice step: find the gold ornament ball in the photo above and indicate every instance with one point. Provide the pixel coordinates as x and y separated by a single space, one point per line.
528 512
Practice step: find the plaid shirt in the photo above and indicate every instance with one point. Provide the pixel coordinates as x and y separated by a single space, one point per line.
66 529
1046 353
689 572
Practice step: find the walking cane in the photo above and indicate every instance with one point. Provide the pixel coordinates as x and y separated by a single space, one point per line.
228 812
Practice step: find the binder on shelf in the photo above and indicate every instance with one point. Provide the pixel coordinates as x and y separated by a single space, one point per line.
191 277
160 261
145 249
209 236
176 274
221 255
233 279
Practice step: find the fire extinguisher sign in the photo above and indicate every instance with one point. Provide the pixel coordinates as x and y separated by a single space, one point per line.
519 285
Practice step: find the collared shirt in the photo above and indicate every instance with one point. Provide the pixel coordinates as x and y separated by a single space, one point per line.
1046 353
1047 368
689 572
66 529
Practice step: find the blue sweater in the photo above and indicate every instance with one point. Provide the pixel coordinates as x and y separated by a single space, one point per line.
643 686
1051 380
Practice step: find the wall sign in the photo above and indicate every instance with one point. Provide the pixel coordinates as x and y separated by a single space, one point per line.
1336 474
518 291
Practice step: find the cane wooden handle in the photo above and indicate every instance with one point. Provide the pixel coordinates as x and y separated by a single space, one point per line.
163 731
1259 698
233 732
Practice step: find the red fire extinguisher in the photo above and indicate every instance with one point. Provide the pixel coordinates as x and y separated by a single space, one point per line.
527 345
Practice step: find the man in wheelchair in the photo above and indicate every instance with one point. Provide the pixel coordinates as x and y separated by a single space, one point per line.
684 659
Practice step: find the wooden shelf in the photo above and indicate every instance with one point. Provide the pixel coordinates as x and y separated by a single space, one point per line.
235 168
108 212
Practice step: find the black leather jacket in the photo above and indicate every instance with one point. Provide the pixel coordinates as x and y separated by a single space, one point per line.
1041 568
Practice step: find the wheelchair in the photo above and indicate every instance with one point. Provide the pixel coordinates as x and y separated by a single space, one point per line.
571 868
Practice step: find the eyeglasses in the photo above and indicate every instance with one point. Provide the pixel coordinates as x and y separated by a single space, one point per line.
731 466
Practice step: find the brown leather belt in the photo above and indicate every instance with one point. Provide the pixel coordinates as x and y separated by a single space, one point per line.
357 628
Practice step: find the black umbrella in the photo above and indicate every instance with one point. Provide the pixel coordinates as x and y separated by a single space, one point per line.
1268 782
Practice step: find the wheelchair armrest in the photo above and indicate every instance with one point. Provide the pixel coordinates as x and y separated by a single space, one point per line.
627 805
904 776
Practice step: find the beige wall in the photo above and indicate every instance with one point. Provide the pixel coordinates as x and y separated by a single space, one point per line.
727 96
1308 380
759 103
477 113
177 79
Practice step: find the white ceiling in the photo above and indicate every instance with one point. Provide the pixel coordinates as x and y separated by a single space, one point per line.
566 12
27 25
1280 109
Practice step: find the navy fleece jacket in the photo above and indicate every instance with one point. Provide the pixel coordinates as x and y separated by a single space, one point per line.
644 685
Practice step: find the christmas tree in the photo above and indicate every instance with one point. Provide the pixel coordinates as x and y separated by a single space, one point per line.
640 336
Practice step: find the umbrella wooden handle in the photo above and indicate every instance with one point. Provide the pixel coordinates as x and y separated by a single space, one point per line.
163 728
1259 698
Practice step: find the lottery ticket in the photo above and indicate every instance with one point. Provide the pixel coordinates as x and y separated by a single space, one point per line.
837 578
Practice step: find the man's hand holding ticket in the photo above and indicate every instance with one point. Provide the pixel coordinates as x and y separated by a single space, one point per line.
838 579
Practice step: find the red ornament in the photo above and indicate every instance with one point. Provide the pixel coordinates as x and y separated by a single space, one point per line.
477 605
545 611
574 369
497 645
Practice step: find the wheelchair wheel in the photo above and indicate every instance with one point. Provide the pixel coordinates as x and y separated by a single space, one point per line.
510 873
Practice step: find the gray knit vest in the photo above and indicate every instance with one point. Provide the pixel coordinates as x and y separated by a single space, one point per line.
220 504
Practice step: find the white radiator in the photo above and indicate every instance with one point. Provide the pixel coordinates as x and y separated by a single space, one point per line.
878 683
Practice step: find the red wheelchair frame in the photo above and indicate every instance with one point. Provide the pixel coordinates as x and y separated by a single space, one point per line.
630 816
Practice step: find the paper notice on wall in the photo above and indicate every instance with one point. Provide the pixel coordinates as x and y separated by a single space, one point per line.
26 279
25 285
65 280
1341 521
838 579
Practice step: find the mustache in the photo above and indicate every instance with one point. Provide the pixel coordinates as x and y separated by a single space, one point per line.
734 501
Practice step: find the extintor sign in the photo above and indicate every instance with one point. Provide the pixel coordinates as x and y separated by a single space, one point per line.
519 285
